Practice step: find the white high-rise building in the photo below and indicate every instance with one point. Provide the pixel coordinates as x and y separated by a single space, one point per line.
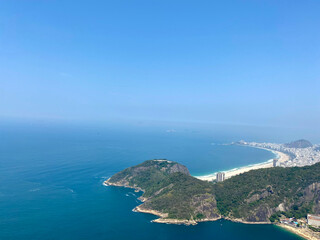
314 220
220 176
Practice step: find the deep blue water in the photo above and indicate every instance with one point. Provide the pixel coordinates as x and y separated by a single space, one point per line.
51 182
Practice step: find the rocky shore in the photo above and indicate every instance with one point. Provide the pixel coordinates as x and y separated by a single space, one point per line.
164 217
108 183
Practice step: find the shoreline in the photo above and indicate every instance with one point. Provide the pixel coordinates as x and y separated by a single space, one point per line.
302 232
282 157
163 218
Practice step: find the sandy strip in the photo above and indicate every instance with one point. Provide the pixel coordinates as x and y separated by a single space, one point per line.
236 171
302 232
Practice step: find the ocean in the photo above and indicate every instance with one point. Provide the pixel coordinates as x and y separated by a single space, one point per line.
51 181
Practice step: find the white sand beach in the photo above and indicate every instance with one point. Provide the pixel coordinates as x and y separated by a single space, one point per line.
236 171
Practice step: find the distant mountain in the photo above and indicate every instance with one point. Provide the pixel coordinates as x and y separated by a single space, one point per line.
302 143
256 196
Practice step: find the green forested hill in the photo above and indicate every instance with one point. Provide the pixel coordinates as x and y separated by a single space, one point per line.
256 196
184 197
149 176
169 188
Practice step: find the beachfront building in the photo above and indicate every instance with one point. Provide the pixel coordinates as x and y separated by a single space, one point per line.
290 221
314 220
220 176
276 163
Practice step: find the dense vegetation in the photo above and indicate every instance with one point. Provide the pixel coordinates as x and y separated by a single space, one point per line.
259 195
170 189
178 196
270 187
149 175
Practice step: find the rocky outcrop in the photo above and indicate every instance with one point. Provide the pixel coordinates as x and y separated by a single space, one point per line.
205 207
312 194
282 207
261 195
179 168
261 214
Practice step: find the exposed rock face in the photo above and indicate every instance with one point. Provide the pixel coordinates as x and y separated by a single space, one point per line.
205 205
311 191
179 168
260 214
312 194
282 208
302 143
258 196
316 207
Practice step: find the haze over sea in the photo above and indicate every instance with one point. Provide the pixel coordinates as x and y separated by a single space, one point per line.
51 180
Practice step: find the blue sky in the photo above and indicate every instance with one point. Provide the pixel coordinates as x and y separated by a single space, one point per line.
239 62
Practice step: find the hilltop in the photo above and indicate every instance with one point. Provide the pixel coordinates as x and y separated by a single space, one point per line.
169 191
148 175
302 143
258 196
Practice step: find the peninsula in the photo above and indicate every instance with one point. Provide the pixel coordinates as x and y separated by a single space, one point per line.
169 191
258 196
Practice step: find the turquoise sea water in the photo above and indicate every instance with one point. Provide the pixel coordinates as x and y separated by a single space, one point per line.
51 182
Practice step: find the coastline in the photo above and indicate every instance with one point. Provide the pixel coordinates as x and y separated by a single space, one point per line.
163 218
302 232
282 157
107 183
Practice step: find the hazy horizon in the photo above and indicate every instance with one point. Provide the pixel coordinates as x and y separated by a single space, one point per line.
231 62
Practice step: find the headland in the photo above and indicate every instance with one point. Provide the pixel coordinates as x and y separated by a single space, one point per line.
258 194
